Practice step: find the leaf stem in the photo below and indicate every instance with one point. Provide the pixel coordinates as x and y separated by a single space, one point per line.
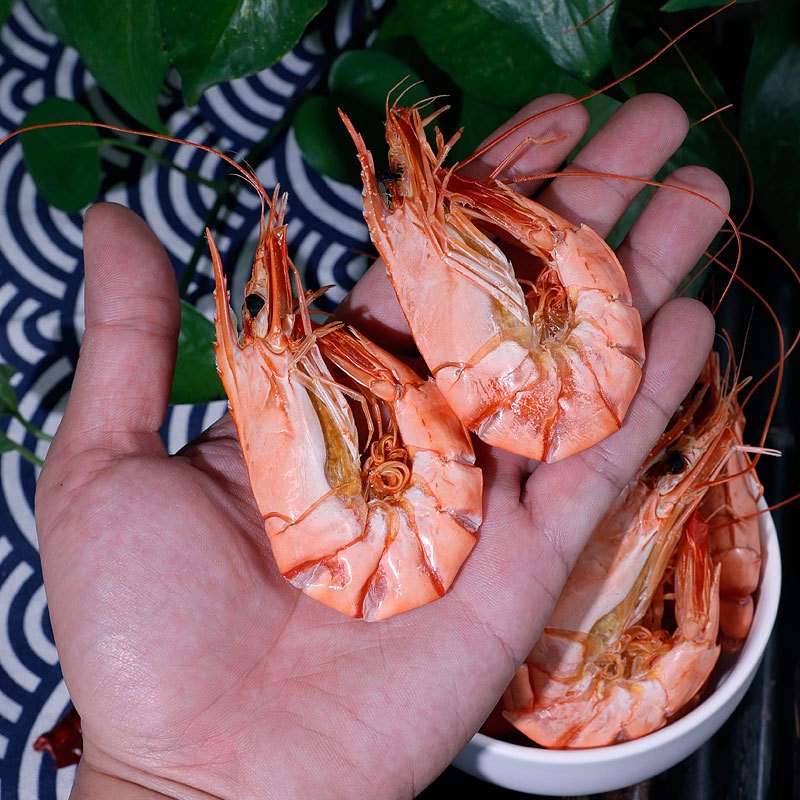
37 432
28 455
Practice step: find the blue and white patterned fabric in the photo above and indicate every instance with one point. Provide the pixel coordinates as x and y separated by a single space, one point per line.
41 297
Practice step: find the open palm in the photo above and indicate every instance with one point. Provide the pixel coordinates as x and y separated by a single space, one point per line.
196 669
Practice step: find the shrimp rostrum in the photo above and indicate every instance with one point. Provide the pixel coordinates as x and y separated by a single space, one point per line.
544 371
606 668
370 531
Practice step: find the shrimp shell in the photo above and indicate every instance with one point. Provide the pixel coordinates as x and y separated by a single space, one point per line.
358 538
604 670
731 509
544 374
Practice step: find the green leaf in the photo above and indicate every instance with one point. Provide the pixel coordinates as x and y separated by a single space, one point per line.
7 444
367 76
50 17
486 59
120 43
359 82
770 125
5 7
324 141
214 42
576 34
397 37
8 397
196 379
64 162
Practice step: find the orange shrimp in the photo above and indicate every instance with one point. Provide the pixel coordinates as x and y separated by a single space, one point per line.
604 670
544 373
369 539
731 509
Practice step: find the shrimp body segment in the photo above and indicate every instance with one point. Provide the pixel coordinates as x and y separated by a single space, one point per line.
731 509
606 669
624 688
369 539
543 372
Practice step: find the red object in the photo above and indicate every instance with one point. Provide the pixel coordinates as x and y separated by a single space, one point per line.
64 742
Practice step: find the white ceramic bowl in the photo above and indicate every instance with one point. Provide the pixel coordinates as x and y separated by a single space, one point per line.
602 769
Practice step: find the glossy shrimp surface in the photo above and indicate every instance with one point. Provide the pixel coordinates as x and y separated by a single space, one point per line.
604 669
372 536
545 370
731 510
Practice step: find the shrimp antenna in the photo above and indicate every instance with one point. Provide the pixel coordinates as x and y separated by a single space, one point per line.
244 171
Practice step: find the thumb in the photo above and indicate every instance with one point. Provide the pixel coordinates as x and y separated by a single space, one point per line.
123 378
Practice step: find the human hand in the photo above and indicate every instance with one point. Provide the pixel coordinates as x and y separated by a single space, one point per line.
196 669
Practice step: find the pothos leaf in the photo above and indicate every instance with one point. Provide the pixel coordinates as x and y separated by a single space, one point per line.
64 162
359 83
576 34
485 58
368 76
213 42
196 379
8 397
323 140
5 7
48 14
120 43
7 444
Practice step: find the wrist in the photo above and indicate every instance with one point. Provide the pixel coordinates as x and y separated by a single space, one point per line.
93 784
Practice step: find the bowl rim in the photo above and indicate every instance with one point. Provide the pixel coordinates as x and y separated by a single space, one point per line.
739 675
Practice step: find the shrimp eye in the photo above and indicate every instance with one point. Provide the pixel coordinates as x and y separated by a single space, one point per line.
675 462
385 178
254 303
385 175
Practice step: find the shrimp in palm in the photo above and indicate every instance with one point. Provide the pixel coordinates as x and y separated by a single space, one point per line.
604 669
545 371
369 539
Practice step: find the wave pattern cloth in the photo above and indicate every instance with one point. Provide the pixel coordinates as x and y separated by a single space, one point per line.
41 291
